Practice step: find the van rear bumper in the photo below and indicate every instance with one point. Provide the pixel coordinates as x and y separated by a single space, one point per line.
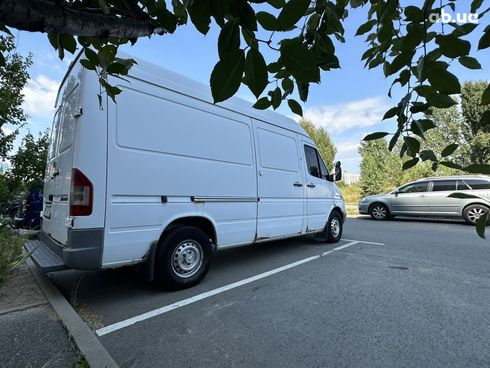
82 252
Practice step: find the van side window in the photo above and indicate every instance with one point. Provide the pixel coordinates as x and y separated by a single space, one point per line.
478 183
442 185
316 166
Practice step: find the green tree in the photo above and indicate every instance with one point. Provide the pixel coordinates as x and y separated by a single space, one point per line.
375 166
29 162
13 78
476 123
322 141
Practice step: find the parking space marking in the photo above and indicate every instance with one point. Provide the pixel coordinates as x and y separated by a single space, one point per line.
159 311
362 241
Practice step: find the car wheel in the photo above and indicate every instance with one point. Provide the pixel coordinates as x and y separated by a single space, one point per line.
472 213
334 227
183 258
379 211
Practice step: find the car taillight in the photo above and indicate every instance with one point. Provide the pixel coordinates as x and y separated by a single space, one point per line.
81 194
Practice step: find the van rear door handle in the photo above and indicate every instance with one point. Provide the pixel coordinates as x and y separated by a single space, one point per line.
311 185
298 184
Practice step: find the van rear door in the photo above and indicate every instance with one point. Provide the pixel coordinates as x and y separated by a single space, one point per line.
57 181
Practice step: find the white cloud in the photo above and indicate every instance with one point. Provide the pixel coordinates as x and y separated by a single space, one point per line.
353 114
348 153
39 96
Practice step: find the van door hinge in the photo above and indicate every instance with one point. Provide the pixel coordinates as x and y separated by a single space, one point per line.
78 112
69 222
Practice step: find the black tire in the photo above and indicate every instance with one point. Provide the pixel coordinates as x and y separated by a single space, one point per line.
473 212
379 211
183 258
334 227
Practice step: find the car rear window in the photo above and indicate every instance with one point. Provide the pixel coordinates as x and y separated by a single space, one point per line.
442 185
478 183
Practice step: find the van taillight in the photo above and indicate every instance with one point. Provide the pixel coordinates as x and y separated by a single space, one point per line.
81 194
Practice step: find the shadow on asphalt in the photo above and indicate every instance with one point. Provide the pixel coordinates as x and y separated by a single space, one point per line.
81 287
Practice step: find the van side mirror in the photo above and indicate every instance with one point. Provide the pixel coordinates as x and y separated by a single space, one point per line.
337 172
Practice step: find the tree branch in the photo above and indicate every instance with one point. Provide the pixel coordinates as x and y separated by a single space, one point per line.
50 16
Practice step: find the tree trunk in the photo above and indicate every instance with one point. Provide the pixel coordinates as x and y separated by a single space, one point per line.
50 16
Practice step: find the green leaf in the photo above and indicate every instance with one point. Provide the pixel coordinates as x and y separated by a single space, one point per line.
414 36
427 155
475 5
255 72
200 13
373 136
229 39
91 55
461 195
450 164
68 42
2 59
478 169
262 103
278 4
439 100
276 98
410 163
87 64
227 75
444 81
300 61
452 46
107 55
295 107
267 21
485 98
287 85
449 149
481 224
291 13
391 112
245 13
412 13
366 27
400 61
303 90
469 62
413 145
484 40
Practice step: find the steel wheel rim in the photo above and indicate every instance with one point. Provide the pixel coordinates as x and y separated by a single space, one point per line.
475 213
335 227
379 212
187 258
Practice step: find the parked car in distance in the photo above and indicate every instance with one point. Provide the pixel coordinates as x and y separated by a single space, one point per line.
165 176
430 197
28 214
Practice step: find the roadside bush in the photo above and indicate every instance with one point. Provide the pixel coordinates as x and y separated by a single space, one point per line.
351 193
11 254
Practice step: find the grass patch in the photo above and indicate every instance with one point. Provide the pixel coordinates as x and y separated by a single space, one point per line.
351 193
11 254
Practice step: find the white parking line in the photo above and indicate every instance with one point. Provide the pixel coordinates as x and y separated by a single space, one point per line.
159 311
362 241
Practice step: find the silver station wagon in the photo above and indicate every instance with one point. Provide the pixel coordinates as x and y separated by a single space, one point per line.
430 197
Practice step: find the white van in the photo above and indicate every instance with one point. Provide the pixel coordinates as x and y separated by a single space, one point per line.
164 176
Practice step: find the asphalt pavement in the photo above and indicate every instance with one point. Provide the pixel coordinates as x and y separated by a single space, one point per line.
405 293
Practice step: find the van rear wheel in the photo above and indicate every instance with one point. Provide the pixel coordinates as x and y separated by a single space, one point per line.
183 258
334 227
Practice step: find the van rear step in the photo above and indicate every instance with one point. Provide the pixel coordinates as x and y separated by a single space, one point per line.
44 257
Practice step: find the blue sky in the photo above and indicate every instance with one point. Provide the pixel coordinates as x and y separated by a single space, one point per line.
349 102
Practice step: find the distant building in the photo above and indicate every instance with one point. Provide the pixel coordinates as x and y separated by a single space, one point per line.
350 178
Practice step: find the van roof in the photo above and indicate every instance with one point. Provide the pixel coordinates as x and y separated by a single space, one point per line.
178 83
157 75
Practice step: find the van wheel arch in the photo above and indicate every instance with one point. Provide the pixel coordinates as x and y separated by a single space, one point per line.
202 223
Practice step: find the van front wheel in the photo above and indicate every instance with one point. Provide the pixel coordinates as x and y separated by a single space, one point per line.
334 227
183 258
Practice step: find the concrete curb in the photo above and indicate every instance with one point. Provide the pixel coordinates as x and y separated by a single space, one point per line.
88 344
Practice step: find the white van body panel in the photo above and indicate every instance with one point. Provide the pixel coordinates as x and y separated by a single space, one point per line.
164 152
